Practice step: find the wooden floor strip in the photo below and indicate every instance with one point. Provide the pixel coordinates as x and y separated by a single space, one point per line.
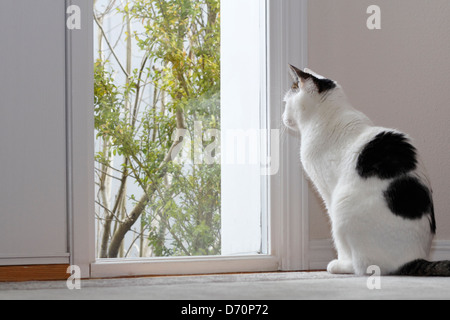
34 273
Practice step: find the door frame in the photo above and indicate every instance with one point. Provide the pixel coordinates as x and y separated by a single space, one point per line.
288 223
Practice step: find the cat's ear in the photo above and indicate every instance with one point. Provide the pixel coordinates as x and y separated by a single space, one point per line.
297 74
299 77
311 81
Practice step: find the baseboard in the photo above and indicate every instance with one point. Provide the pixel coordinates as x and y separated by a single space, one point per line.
440 250
321 252
33 273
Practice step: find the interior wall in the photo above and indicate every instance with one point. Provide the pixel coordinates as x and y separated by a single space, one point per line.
33 207
399 76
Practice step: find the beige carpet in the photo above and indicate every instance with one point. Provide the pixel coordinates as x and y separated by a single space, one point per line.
262 286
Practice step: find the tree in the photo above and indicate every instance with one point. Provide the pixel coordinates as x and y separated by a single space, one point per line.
143 125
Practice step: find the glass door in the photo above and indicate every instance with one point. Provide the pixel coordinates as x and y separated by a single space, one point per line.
179 103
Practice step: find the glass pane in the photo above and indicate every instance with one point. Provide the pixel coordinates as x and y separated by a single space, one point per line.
158 128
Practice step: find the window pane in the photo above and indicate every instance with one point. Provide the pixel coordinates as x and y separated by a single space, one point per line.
158 123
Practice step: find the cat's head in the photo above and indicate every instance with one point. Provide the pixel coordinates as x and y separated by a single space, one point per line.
308 91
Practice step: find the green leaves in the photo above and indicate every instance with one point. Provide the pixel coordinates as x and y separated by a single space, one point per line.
177 84
183 38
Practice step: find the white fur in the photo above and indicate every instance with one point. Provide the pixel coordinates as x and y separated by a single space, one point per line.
364 230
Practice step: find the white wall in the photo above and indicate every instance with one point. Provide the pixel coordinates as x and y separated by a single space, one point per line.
33 211
399 76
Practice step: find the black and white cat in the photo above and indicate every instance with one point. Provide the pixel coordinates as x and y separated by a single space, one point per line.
371 179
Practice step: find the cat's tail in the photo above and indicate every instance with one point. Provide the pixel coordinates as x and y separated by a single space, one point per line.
423 268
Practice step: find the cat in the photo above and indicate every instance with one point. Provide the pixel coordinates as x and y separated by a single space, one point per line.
371 180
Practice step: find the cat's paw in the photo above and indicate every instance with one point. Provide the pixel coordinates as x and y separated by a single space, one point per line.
340 267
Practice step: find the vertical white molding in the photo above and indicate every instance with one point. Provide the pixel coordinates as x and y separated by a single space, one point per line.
80 99
69 150
303 59
287 43
264 119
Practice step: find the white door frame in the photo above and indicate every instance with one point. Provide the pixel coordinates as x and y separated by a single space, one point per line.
288 35
80 129
287 203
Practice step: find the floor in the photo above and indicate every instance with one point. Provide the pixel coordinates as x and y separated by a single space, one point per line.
262 286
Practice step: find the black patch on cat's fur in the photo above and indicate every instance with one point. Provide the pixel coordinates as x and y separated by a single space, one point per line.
387 156
407 197
324 85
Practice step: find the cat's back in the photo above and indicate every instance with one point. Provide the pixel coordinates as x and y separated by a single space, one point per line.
386 154
380 153
385 173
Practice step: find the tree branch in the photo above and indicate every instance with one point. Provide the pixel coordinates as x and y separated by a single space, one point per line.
110 46
126 225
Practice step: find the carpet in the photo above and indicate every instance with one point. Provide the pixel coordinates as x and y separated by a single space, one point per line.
258 286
